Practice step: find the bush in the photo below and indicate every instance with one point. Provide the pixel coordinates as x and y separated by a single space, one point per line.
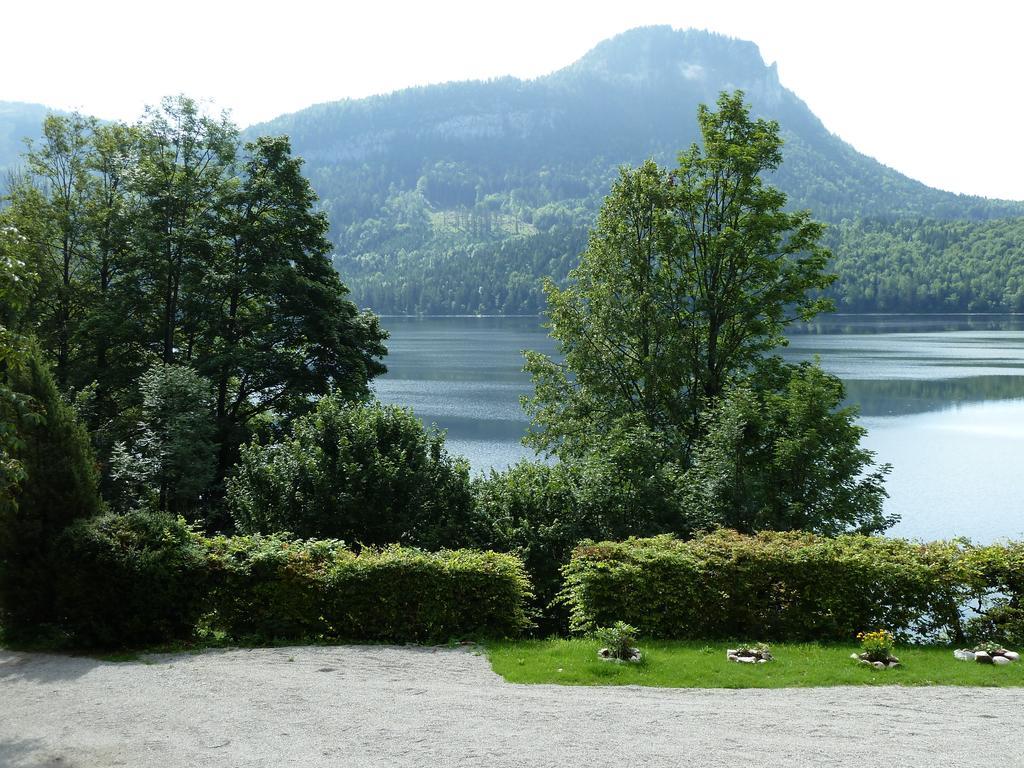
782 586
367 474
531 509
276 587
58 486
877 645
619 639
542 512
995 576
129 580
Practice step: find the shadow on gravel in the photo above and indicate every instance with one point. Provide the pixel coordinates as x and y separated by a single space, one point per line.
43 668
30 753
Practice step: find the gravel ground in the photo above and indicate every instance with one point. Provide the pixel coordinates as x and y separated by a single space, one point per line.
383 706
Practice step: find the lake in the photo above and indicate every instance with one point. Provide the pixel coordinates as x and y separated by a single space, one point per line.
942 398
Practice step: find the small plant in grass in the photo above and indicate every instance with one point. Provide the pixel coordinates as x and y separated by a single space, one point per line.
876 649
750 653
619 641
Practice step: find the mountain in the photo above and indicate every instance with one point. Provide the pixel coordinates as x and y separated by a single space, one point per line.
18 121
457 198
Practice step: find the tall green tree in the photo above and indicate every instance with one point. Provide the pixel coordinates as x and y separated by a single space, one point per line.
184 172
665 333
279 330
167 242
688 279
49 209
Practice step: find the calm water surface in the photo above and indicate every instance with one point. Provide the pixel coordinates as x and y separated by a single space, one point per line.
941 396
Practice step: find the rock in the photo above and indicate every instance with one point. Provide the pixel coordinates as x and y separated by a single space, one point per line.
964 655
1001 660
732 652
856 656
762 661
878 665
893 664
733 657
746 659
1012 655
982 657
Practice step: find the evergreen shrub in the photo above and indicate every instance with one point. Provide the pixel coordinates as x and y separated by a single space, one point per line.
368 474
58 485
793 586
130 580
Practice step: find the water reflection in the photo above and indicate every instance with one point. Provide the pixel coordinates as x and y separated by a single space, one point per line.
871 324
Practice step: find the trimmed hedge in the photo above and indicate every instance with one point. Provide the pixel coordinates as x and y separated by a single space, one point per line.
795 586
277 587
144 578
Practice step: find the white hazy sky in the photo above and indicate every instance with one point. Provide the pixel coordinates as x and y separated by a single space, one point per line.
933 89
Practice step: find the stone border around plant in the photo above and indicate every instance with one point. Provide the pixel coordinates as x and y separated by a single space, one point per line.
998 657
864 658
605 654
748 656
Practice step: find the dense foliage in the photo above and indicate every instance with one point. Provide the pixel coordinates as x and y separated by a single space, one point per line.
665 332
795 586
782 453
367 474
130 580
541 511
167 242
57 485
277 587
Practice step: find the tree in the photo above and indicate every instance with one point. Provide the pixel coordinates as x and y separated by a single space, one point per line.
278 329
168 242
171 461
48 207
781 453
184 172
689 280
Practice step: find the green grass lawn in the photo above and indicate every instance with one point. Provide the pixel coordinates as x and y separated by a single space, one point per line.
703 665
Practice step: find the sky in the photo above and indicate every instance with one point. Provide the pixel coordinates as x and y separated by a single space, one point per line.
932 89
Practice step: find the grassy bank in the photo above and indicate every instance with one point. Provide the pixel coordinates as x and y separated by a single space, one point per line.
703 665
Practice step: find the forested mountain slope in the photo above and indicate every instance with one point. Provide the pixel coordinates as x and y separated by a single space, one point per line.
457 198
18 121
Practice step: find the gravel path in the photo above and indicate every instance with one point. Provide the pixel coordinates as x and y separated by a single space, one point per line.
382 706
